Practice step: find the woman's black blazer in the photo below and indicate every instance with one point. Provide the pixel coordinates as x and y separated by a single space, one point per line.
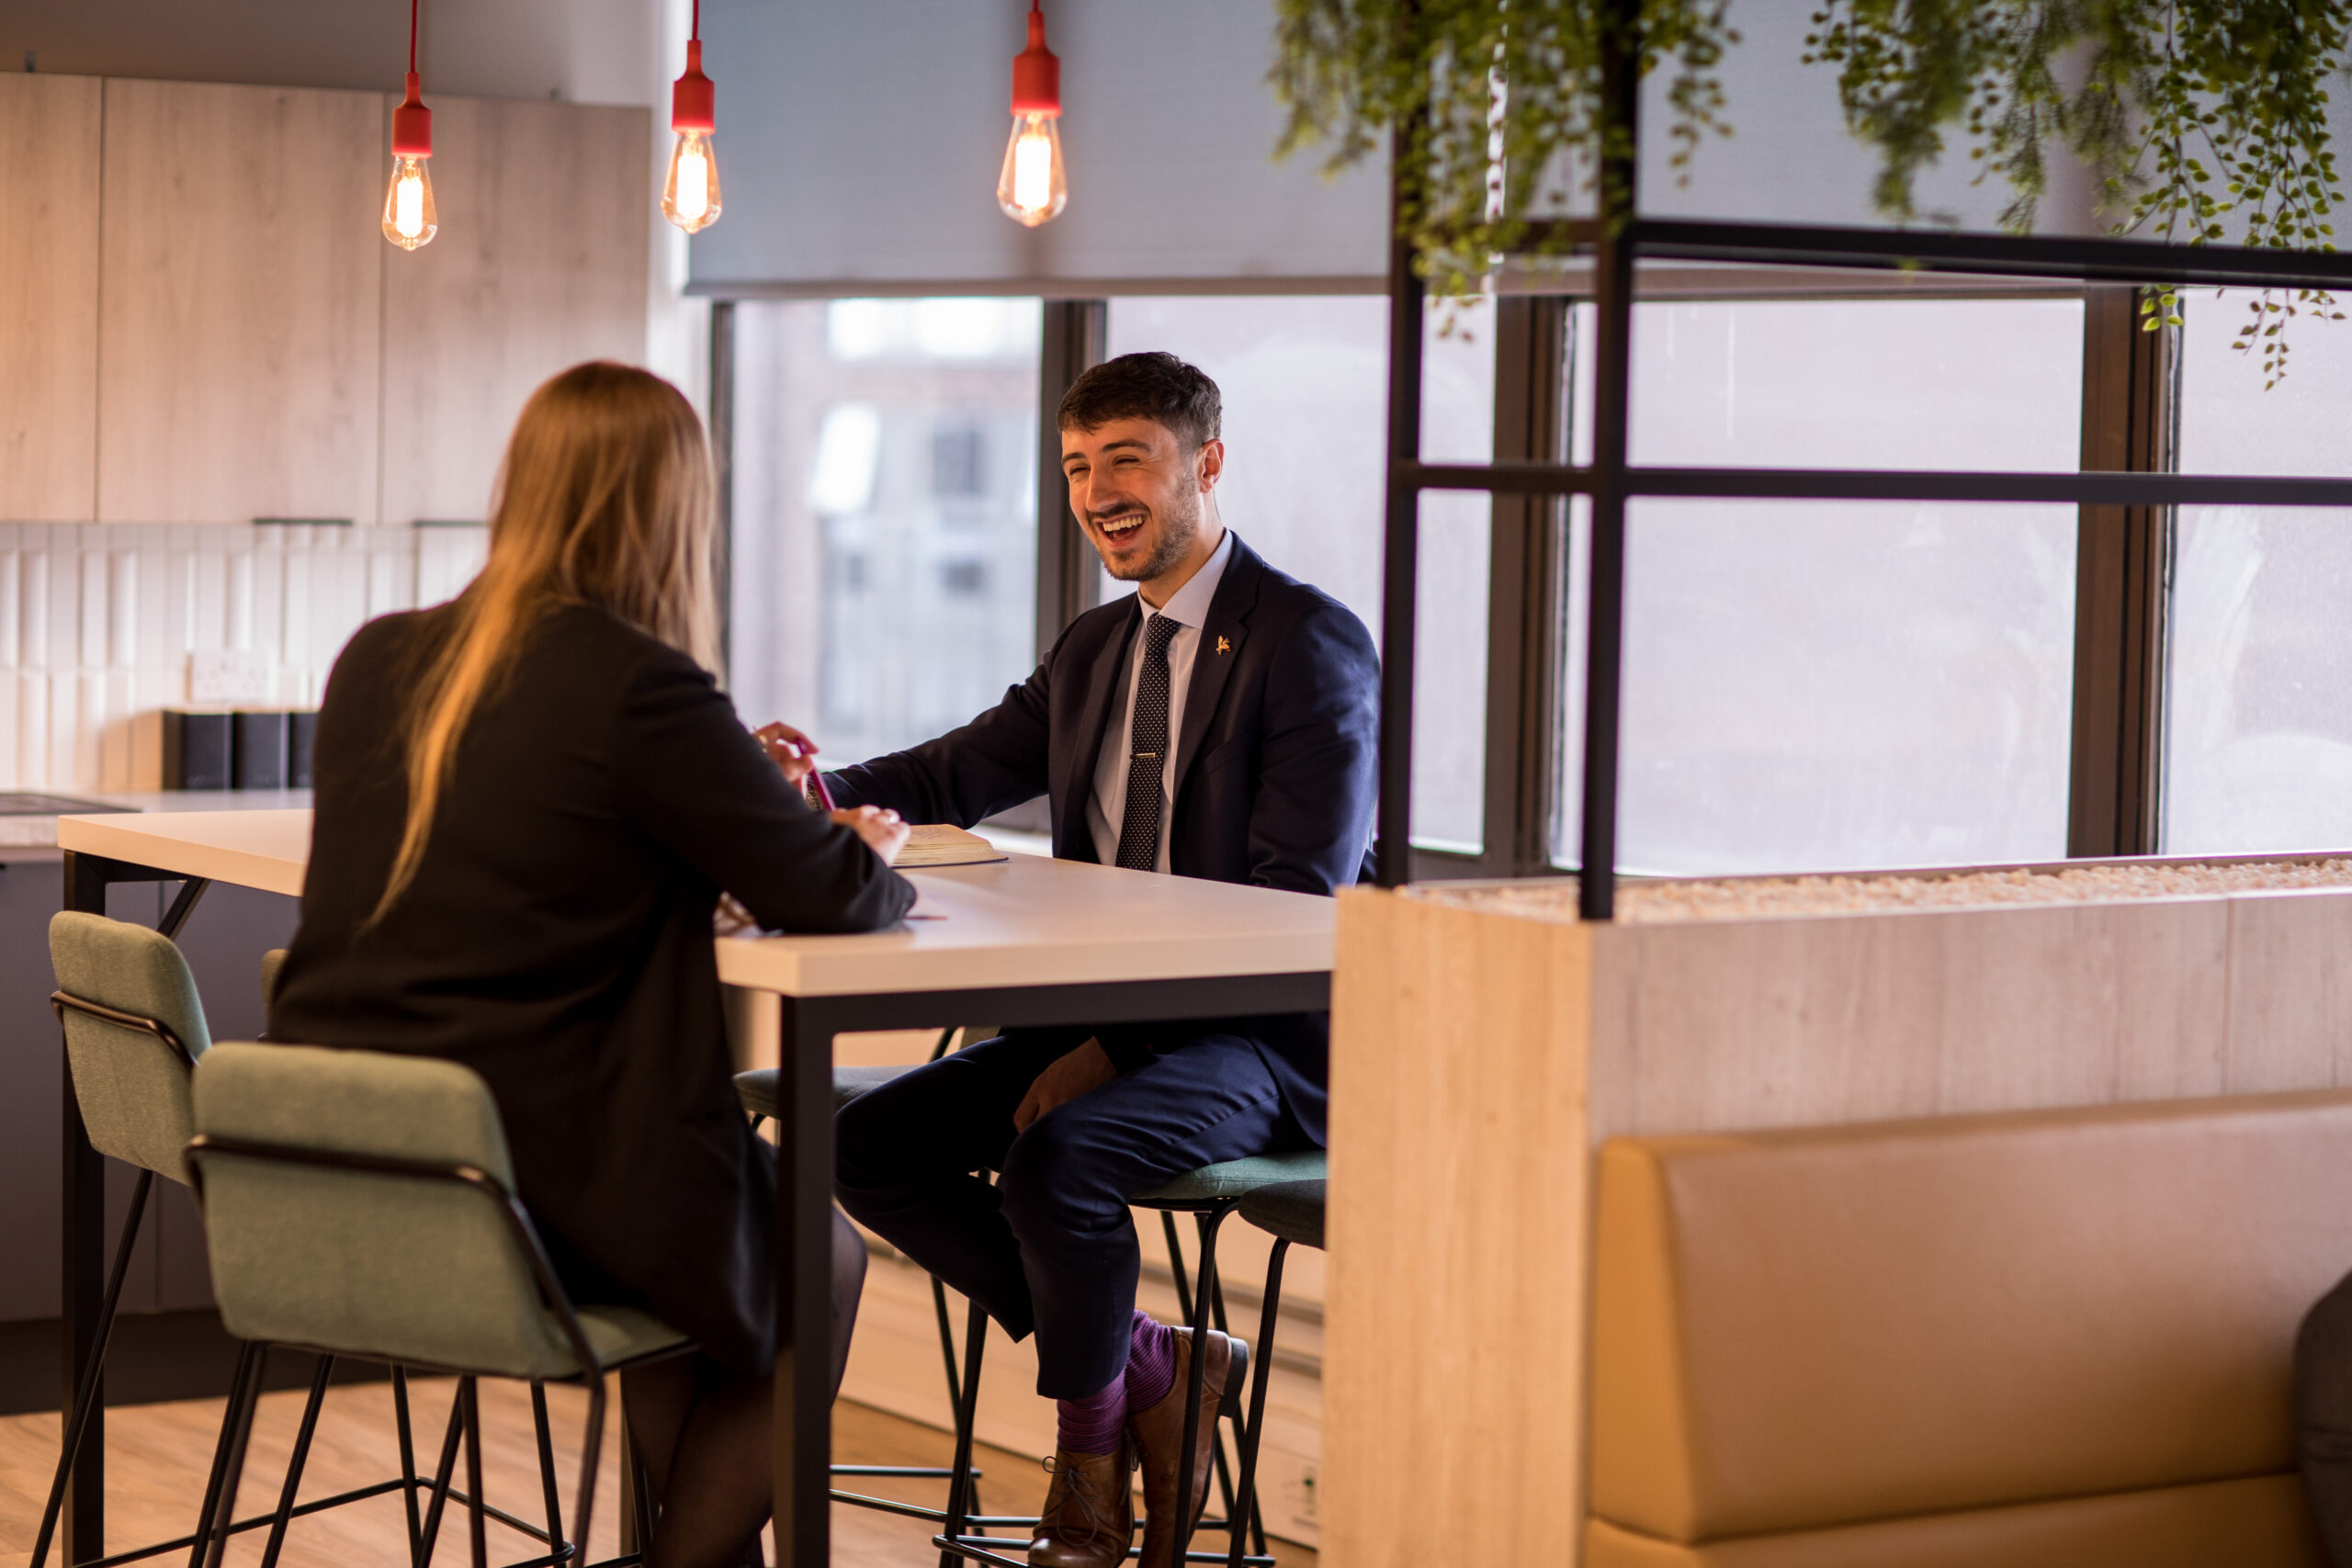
557 939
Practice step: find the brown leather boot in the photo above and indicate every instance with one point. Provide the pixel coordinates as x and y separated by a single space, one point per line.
1159 1437
1090 1514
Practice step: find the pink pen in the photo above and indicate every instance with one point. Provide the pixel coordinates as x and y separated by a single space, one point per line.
825 795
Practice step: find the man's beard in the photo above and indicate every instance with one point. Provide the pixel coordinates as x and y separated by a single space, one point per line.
1176 531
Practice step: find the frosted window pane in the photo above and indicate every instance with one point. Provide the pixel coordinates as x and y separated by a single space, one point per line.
2230 426
1967 384
884 515
2257 726
1823 685
1304 384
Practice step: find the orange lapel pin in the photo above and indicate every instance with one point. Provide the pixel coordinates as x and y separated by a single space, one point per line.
1223 646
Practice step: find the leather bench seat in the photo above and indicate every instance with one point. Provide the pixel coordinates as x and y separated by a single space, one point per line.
2050 1337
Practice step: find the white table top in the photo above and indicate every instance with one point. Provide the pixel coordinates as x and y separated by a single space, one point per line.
1023 921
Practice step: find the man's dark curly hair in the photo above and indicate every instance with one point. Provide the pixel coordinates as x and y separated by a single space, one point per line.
1157 387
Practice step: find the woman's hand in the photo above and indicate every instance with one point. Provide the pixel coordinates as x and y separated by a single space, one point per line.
884 833
792 751
1087 1067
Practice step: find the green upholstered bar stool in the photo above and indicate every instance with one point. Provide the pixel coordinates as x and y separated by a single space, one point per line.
758 1089
134 1031
362 1204
1210 1195
1292 1212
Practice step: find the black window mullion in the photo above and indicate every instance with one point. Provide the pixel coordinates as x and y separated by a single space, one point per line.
1524 619
1075 333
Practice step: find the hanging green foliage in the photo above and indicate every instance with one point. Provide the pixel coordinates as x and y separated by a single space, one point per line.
1513 96
2205 119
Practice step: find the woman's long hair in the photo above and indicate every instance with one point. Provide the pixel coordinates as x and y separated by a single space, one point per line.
603 498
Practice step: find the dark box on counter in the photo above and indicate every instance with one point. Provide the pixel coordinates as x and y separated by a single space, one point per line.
243 749
301 736
260 758
198 748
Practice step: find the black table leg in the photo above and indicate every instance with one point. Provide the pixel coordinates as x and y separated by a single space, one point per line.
84 1284
804 1372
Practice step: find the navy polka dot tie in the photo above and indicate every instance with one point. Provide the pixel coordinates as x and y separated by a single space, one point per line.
1147 751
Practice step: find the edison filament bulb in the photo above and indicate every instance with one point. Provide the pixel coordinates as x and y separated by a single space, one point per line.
689 194
1032 187
410 219
690 191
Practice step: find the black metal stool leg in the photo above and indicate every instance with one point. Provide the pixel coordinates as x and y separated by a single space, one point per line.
408 1457
551 1495
86 1390
469 1395
590 1451
210 1507
1255 1429
1196 1377
1216 1319
441 1474
645 1509
212 1540
946 1340
962 1501
294 1466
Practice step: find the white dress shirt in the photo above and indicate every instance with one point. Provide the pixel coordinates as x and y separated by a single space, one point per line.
1106 808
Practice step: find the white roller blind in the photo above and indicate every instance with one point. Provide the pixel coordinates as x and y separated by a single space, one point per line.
859 142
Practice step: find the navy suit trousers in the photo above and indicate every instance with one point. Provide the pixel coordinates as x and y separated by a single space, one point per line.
1050 1246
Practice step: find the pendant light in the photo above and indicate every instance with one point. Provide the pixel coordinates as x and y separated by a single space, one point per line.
690 193
1032 187
410 219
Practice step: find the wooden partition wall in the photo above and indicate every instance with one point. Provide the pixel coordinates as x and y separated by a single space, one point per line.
1481 1057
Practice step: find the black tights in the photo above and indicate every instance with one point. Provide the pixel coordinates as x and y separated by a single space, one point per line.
702 1433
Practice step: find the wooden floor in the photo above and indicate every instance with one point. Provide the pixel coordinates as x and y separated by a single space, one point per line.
158 1455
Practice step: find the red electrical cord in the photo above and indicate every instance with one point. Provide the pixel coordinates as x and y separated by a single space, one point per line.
411 34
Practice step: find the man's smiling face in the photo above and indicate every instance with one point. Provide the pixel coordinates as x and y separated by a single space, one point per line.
1138 493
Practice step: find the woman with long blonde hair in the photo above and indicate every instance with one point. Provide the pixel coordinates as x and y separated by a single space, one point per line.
529 800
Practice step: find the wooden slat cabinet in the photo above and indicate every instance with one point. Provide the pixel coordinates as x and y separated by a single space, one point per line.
239 304
541 263
49 298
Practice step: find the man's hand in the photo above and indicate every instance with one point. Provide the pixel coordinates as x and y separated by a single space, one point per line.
1087 1067
792 751
881 828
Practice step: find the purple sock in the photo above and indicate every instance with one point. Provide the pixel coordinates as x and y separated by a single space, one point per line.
1151 1363
1093 1425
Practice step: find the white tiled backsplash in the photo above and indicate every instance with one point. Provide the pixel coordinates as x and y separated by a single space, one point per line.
104 625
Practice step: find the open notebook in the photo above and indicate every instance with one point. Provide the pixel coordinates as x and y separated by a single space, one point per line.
941 843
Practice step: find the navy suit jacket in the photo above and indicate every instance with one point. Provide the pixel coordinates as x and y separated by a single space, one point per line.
1275 771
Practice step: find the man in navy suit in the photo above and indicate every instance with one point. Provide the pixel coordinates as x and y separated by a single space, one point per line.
1220 723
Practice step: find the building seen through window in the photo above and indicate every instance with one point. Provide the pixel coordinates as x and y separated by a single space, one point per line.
883 493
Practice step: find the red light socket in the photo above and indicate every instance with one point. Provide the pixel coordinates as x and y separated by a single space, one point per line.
412 125
694 100
1036 74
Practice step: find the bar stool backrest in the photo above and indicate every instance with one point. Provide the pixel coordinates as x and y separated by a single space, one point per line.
134 1028
362 1203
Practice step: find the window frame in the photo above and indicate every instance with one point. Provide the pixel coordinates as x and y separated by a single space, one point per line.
2130 422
